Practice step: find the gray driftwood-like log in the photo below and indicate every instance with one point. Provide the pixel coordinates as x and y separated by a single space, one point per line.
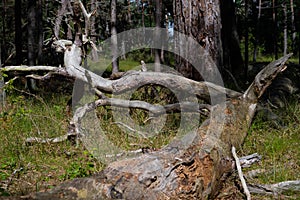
197 171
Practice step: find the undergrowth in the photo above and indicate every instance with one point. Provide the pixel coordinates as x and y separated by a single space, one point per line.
28 168
278 142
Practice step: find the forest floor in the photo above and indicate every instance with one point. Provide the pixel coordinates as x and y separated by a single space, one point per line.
30 168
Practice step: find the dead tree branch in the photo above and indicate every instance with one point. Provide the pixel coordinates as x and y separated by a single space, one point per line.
193 168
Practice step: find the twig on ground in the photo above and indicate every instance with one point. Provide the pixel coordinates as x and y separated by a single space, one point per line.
131 129
247 161
275 189
239 168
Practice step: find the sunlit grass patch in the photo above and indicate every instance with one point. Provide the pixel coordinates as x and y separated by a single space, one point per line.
279 146
27 168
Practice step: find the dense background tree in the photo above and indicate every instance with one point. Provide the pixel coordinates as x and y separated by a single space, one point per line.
219 26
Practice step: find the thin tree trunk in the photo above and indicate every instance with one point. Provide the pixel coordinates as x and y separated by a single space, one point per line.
60 13
3 46
93 30
129 14
256 41
18 31
275 29
40 31
31 40
114 40
285 30
143 13
2 91
294 33
31 29
232 56
158 13
246 55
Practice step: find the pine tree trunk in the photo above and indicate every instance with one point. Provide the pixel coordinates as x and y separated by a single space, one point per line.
200 20
293 27
18 31
31 40
158 13
285 30
31 30
256 40
232 57
93 30
246 53
114 40
275 29
40 31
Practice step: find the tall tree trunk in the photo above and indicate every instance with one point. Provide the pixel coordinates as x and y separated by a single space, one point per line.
246 55
232 57
285 29
40 32
293 27
275 29
114 40
143 13
31 39
18 31
256 40
2 91
31 30
158 13
2 54
200 20
129 13
93 30
3 46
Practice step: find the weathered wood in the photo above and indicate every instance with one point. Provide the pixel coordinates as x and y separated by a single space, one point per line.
133 80
195 167
276 189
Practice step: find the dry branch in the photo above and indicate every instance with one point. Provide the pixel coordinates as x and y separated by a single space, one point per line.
240 172
193 168
276 189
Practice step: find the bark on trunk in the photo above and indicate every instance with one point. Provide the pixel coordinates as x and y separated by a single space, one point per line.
294 33
114 40
201 20
18 31
246 53
31 29
232 57
40 31
158 13
285 36
256 40
31 45
275 29
194 167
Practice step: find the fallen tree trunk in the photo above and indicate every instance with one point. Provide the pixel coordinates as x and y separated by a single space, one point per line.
195 167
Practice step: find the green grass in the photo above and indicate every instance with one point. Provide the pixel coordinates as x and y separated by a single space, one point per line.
103 65
279 146
29 168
